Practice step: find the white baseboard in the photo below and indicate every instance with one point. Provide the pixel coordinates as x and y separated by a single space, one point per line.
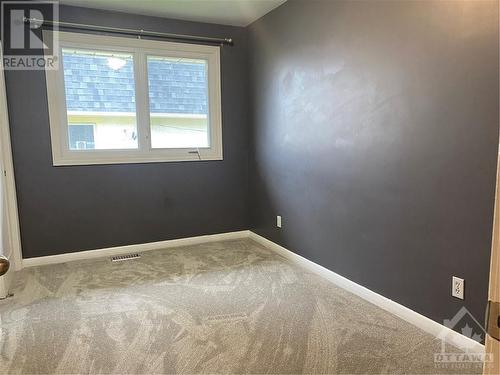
418 320
139 248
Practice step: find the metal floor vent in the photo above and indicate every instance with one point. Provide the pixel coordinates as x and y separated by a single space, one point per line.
122 258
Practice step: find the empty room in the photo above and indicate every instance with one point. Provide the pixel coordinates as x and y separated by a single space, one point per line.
249 187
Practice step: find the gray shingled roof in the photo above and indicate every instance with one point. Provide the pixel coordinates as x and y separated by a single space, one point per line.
175 87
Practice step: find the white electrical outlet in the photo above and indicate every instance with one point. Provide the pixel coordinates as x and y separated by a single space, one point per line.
278 221
457 287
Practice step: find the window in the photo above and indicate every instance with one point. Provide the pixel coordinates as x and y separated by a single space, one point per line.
125 100
99 87
170 129
81 136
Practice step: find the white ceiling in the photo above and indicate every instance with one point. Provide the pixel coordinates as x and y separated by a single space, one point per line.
226 12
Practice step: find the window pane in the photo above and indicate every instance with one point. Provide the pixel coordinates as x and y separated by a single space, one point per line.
178 102
100 90
81 137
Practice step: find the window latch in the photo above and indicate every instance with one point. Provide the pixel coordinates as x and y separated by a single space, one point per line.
197 152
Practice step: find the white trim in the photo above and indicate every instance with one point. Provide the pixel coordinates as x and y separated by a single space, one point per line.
139 248
413 317
15 251
144 153
121 158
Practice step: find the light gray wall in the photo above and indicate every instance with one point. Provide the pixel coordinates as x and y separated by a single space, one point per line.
375 135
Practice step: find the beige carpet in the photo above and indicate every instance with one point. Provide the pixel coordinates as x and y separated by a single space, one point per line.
228 307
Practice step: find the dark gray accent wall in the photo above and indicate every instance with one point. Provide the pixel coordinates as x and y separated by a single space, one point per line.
66 209
375 136
374 133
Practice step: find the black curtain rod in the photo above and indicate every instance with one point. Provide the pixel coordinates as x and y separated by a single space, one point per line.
131 32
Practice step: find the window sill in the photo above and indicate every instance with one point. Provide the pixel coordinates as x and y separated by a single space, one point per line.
68 161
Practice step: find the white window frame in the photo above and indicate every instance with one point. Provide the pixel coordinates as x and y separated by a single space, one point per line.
140 49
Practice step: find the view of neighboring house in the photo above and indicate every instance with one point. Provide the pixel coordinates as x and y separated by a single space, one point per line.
101 107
